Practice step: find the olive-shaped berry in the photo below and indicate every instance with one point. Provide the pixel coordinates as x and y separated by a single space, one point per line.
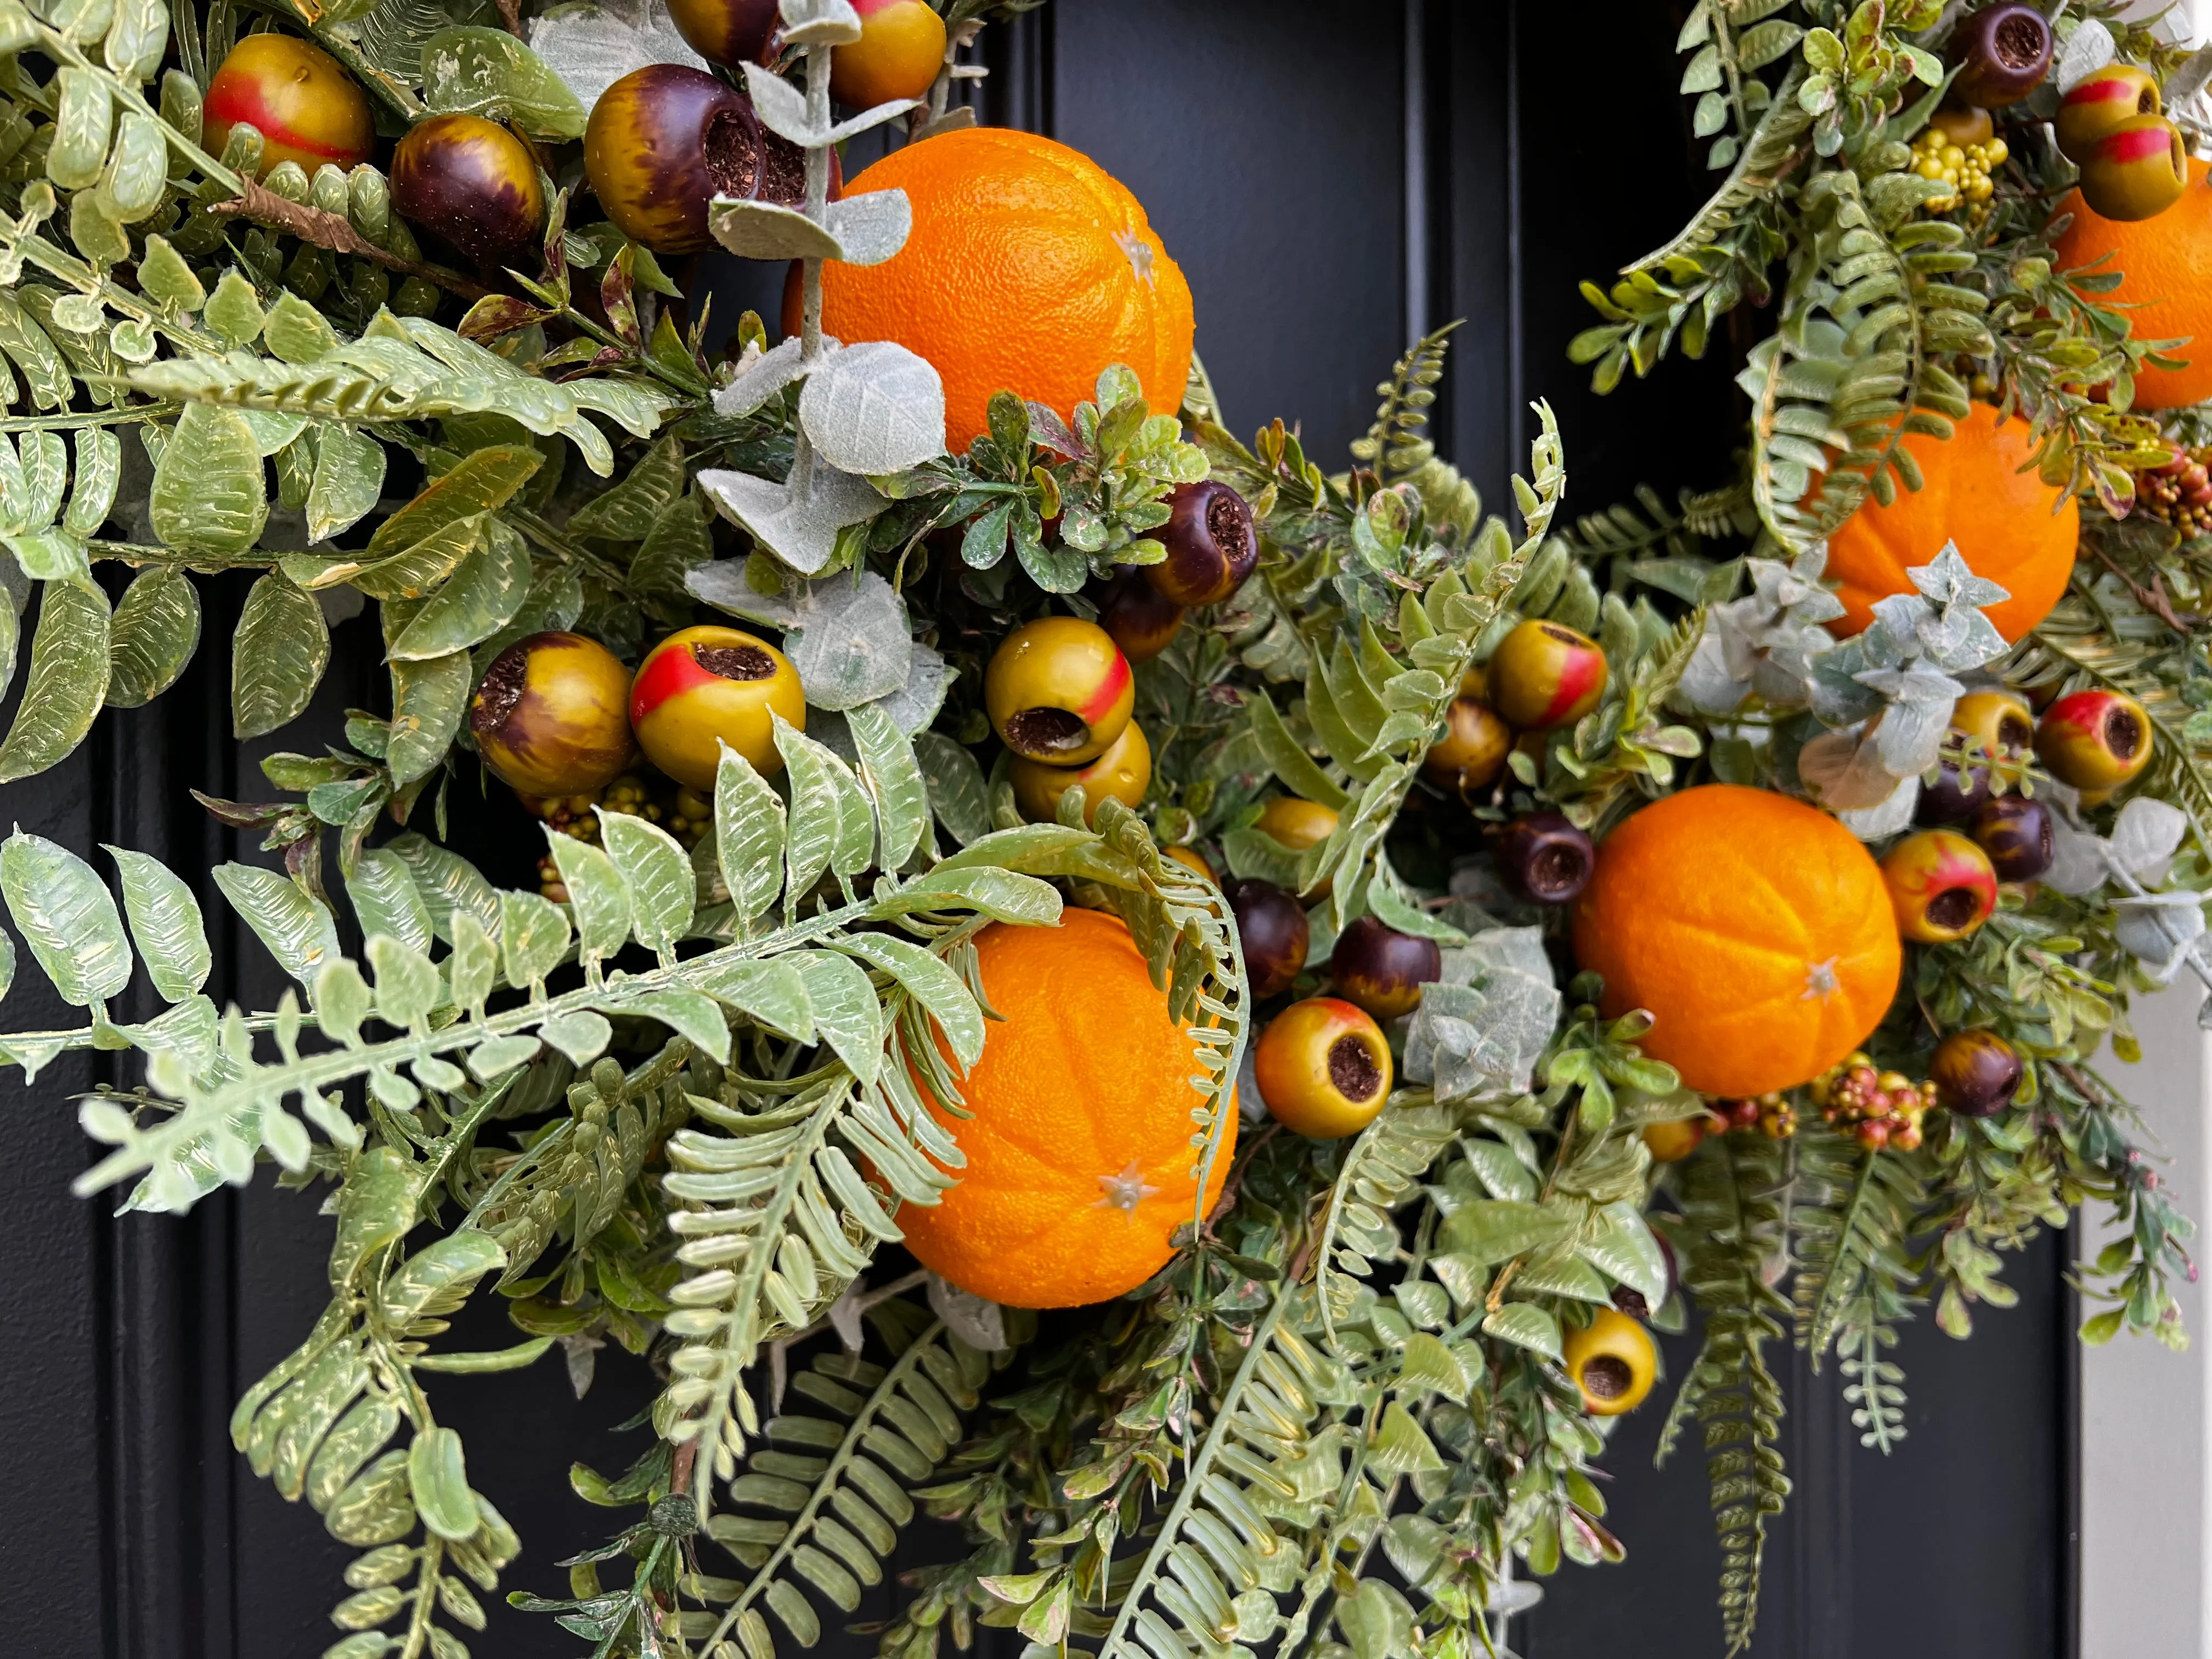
1976 1073
1612 1361
1211 542
1324 1068
2017 834
1544 675
2003 52
1058 690
900 50
1956 795
1297 824
2000 721
550 716
470 183
665 140
1940 886
1124 771
1381 969
2095 740
2100 101
731 33
1138 617
1274 934
2136 170
1472 750
1672 1142
1546 857
307 109
704 686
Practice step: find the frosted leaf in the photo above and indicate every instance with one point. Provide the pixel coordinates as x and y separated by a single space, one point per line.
2077 861
580 1350
781 108
1878 823
870 227
1483 1027
856 644
2144 838
1844 770
826 22
2089 50
914 706
1515 950
1909 738
978 1323
761 376
2161 930
874 409
1251 1103
2185 82
1706 685
764 230
591 47
801 529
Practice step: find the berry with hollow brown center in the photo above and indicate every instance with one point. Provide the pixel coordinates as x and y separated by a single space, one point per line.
1323 1067
1942 886
1381 969
1472 750
1124 772
2003 52
1058 690
2135 171
1546 857
2100 101
1273 929
2095 740
2017 834
1138 617
1544 675
704 687
665 140
1211 544
549 717
1976 1073
1612 1361
470 183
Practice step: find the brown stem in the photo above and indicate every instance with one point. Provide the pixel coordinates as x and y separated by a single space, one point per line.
680 1466
336 233
2152 599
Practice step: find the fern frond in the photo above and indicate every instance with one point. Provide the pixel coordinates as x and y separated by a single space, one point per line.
1851 1225
1875 1388
1393 446
1777 146
1732 1196
840 1472
1382 1171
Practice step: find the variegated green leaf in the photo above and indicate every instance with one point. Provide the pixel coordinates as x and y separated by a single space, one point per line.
165 920
67 916
278 657
657 872
156 630
68 681
298 930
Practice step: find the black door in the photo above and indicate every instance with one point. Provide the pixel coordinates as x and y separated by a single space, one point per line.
1335 176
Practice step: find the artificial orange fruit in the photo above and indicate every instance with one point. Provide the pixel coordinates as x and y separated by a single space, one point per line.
2167 264
2010 527
1028 267
1079 1159
1755 929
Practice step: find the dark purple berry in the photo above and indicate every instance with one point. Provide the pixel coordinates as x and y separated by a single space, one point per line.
2004 51
1546 857
1211 544
1381 969
2016 832
1272 926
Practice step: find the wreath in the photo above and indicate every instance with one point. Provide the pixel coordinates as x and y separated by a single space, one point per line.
1013 843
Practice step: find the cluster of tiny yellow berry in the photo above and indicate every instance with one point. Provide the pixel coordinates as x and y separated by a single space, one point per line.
1882 1108
1772 1115
682 812
1966 168
2179 493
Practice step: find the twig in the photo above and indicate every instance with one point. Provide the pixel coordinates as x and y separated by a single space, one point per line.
2152 599
335 231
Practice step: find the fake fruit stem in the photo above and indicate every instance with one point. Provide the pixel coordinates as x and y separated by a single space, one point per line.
817 202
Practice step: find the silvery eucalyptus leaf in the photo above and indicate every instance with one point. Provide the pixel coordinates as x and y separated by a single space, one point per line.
592 46
764 230
2089 49
2145 836
874 408
870 226
1886 819
799 528
762 375
2161 930
820 22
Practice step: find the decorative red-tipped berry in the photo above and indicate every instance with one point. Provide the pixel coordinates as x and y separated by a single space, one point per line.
2100 101
1546 857
1544 675
305 106
1976 1073
1323 1067
1211 544
1381 969
704 686
2004 53
2137 170
2095 740
900 50
1941 885
1272 928
1124 772
1058 690
2017 834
